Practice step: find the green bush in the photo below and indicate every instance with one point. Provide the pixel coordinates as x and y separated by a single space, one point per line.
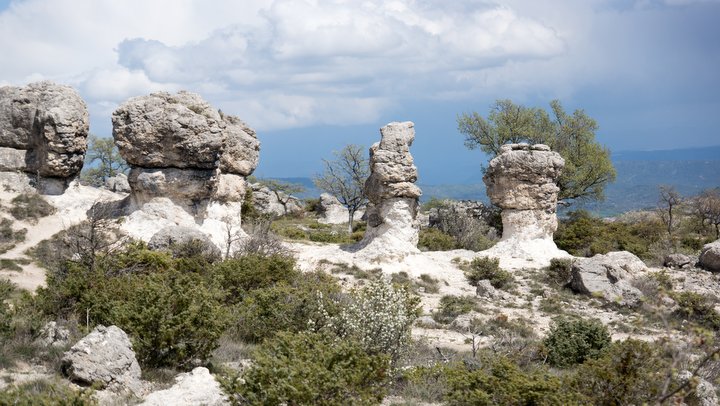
698 308
559 272
488 268
43 393
630 372
30 206
6 289
501 382
571 342
239 275
432 239
452 306
172 316
8 236
285 306
310 369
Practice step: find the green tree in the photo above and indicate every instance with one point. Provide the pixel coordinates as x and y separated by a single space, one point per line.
109 162
283 191
588 168
345 178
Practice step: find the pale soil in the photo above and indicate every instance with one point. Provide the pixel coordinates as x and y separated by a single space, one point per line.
71 208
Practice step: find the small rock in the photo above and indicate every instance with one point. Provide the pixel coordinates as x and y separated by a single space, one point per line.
197 387
485 289
678 260
118 183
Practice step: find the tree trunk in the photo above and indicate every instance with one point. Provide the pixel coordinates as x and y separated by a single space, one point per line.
351 215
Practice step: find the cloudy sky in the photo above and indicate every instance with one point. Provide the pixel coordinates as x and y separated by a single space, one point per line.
313 75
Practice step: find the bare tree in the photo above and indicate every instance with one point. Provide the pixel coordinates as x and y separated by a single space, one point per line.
669 200
345 178
233 233
706 207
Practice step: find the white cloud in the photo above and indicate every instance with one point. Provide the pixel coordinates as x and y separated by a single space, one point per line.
285 62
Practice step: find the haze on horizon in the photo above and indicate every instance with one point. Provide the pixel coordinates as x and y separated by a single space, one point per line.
313 75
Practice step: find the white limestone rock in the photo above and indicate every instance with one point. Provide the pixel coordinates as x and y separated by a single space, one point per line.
197 387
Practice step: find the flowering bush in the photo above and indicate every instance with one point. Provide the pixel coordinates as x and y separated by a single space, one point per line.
378 316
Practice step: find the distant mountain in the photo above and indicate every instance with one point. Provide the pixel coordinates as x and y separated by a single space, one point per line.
639 173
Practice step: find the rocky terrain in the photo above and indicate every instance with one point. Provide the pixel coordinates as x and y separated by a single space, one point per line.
187 184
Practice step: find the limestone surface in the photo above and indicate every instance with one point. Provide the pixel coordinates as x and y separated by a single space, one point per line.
104 358
43 131
393 196
197 387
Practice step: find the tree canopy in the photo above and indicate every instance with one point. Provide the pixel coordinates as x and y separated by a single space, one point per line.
588 168
109 162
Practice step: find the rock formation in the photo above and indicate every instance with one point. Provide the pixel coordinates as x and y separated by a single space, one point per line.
521 181
43 132
331 211
188 164
710 257
103 358
267 201
392 227
608 276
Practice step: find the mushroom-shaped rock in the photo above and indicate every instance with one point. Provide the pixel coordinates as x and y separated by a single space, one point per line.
521 181
43 132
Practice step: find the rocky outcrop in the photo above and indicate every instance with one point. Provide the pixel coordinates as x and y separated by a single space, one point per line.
43 132
710 257
172 237
392 227
608 276
331 211
521 181
197 387
103 358
188 164
269 202
118 183
678 261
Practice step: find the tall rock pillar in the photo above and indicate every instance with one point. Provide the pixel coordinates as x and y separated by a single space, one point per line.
392 228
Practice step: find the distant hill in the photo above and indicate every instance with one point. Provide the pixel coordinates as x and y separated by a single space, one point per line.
639 173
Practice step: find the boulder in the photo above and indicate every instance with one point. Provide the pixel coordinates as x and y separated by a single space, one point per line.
197 387
103 358
267 201
679 261
183 131
710 257
43 130
171 236
331 211
118 183
608 276
521 181
393 196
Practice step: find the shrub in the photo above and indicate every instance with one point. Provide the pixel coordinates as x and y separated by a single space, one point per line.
452 306
559 272
239 275
310 369
488 268
6 289
698 308
501 382
469 232
45 393
571 342
428 283
432 239
379 316
630 372
8 236
285 306
30 206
